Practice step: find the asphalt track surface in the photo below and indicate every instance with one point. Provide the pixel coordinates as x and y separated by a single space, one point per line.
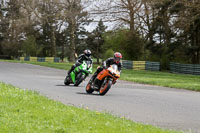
159 106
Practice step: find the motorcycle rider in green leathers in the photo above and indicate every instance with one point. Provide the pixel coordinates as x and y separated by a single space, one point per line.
86 56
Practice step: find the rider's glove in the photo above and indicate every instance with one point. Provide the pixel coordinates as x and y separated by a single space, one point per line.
78 62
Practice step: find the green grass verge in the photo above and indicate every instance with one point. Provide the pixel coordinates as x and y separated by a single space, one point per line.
25 111
65 66
61 65
183 81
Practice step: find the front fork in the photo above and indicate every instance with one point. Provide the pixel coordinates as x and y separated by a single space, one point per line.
84 76
105 80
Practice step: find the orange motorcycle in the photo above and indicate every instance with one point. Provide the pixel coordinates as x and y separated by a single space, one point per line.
106 77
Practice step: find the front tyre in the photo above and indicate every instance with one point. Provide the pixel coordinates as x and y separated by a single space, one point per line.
79 79
104 89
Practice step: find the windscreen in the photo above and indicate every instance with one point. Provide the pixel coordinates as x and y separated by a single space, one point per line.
115 67
88 64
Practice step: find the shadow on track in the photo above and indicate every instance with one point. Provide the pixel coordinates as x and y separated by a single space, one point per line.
60 85
93 94
68 86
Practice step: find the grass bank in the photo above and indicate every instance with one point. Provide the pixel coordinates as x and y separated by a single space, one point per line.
65 66
183 81
23 111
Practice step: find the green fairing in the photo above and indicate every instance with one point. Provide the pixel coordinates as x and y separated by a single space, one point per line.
82 67
73 76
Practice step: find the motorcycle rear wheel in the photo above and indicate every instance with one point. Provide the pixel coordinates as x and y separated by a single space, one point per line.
67 81
88 88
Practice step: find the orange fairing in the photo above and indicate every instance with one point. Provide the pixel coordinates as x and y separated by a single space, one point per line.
112 71
102 74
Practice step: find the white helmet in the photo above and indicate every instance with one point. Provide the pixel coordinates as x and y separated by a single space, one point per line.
87 53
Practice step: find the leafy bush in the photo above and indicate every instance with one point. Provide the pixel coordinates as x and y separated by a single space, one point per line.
30 47
128 43
109 53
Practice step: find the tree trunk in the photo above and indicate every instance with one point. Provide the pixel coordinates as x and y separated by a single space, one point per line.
72 26
198 44
193 44
167 30
132 19
53 42
97 52
63 52
1 52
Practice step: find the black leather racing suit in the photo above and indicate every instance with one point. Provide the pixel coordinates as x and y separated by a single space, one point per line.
106 64
79 61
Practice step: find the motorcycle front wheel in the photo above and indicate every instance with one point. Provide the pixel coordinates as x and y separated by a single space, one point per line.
79 79
67 80
105 88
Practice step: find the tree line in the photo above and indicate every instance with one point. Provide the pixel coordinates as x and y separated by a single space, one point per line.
41 27
154 30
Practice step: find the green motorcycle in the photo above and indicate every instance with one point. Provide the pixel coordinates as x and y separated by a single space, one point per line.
79 74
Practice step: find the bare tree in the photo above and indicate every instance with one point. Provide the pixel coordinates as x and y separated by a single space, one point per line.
122 12
76 16
188 23
45 12
59 15
11 21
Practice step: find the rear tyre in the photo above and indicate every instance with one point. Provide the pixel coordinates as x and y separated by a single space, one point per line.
88 88
67 80
104 89
79 79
